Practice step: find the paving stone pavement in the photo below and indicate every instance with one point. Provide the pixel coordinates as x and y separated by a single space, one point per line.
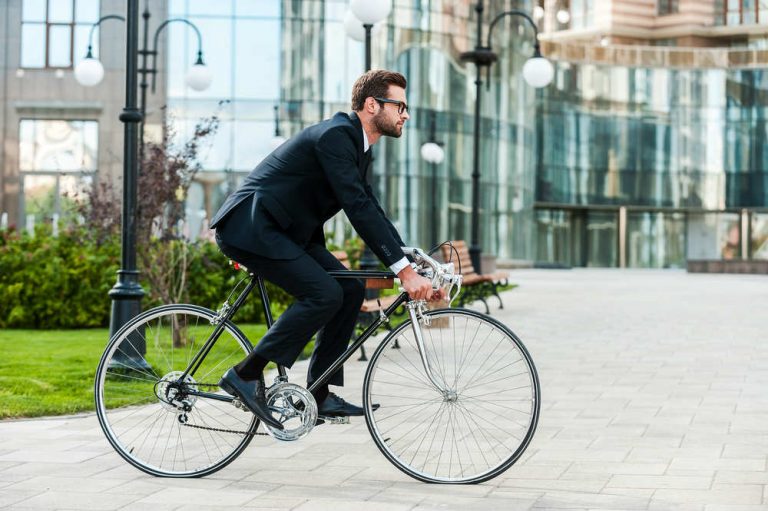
653 397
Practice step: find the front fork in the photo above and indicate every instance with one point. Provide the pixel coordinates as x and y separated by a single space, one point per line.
416 311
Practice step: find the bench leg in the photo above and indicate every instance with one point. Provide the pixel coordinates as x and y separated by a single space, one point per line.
485 303
495 291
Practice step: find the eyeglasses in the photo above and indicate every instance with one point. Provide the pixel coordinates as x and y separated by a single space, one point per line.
401 105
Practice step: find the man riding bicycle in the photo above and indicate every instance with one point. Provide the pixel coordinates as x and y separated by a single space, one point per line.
273 225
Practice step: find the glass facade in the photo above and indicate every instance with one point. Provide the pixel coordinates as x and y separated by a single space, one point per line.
681 149
297 55
676 142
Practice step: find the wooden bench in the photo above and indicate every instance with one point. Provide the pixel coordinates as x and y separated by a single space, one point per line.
475 286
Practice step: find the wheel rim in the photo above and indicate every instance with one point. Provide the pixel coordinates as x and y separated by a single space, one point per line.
481 421
148 417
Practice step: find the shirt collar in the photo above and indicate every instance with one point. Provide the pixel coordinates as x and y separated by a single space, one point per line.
366 145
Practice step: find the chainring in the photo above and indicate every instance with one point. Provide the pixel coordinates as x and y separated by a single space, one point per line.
295 408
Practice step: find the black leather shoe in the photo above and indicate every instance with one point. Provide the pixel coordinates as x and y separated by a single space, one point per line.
334 406
251 393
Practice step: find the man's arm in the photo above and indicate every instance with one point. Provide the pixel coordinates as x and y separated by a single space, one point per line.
338 156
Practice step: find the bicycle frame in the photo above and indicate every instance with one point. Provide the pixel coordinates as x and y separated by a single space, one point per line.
227 312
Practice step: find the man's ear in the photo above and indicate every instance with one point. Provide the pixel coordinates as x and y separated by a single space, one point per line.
370 105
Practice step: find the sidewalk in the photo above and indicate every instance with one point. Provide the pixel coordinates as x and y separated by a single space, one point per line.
655 396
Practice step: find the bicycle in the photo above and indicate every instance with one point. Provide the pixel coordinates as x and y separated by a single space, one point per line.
458 401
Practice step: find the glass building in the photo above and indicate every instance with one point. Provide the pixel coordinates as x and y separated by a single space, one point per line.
296 55
645 151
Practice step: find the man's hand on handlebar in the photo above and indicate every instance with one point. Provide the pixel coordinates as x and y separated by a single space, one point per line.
418 287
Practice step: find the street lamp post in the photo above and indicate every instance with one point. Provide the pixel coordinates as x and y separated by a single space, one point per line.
432 152
127 293
537 71
278 138
366 13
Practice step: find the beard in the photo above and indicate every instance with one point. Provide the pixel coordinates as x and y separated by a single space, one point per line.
387 127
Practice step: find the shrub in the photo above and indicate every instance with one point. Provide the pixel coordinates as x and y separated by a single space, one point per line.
55 282
62 282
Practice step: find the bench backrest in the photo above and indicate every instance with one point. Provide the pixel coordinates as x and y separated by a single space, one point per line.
463 256
342 256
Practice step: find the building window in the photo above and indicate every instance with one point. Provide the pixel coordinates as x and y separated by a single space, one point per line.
582 13
57 160
745 12
668 7
54 33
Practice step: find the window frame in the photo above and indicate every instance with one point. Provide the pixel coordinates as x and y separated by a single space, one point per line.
667 7
56 174
726 11
47 43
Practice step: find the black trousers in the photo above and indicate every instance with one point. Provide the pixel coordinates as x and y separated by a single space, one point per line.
323 304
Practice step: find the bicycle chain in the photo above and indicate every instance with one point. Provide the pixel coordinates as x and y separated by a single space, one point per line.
220 430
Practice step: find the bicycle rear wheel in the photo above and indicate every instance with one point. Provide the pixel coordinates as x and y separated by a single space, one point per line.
481 420
148 417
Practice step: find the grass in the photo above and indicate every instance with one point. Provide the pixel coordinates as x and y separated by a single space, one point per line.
51 372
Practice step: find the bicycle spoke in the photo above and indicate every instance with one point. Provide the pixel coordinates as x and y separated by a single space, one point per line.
167 430
476 425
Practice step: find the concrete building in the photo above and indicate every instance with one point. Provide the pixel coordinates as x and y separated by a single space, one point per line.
57 136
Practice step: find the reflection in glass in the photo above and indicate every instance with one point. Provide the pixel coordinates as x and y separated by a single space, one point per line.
258 8
40 196
46 194
554 234
759 236
32 45
602 239
63 146
656 240
713 236
87 11
81 42
748 12
257 37
208 8
60 11
33 10
59 46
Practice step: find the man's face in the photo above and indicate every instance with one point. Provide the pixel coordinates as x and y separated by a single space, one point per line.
387 120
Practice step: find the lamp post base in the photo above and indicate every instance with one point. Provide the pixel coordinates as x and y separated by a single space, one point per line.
126 304
474 254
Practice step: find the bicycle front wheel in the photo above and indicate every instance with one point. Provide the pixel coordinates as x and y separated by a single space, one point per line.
481 418
153 420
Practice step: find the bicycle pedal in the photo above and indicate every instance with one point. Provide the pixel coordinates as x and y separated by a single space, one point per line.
333 420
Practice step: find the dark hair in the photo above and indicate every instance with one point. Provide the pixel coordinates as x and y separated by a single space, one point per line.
374 84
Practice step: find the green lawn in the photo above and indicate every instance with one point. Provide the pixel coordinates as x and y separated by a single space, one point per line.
50 372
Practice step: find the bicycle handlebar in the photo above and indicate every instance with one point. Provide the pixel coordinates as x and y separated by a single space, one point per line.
441 274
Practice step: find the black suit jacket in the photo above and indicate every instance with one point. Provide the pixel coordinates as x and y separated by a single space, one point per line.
283 203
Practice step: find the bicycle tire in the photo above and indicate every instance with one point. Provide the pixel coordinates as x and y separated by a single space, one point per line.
132 394
486 416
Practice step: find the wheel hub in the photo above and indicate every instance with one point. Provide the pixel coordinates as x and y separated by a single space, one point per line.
173 395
